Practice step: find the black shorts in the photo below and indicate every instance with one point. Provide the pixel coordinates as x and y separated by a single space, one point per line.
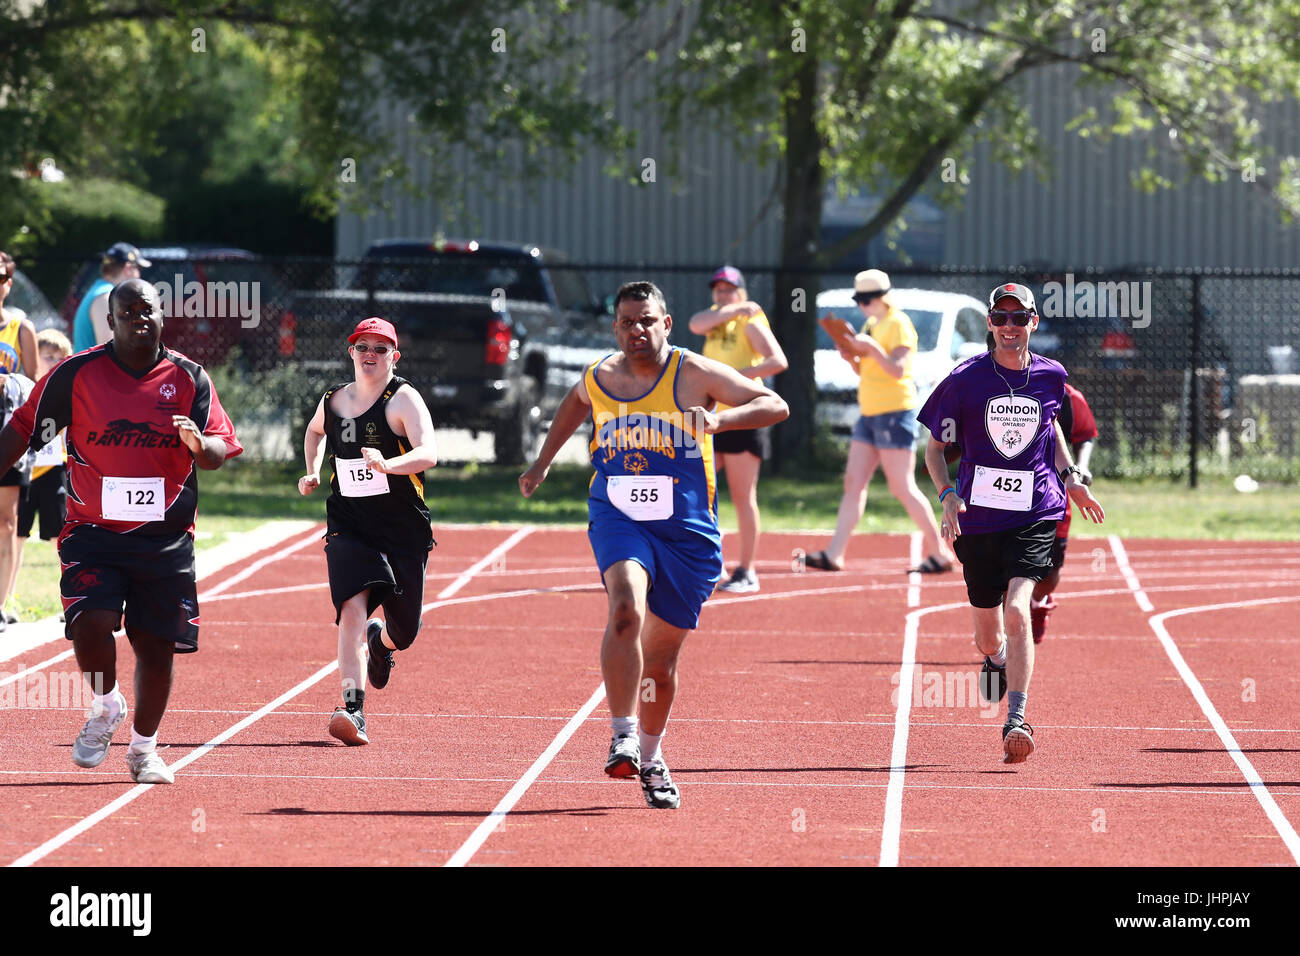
989 561
1058 552
15 478
152 577
47 496
756 441
395 580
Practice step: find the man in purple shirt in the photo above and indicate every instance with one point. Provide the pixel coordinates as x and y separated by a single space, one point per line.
1012 483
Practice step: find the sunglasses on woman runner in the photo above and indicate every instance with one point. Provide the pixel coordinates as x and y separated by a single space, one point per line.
363 348
1020 317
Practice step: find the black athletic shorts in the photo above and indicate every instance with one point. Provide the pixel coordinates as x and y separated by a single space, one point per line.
1058 552
14 478
47 496
756 441
395 580
152 577
989 561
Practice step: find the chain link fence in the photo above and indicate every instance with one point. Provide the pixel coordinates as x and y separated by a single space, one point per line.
1188 373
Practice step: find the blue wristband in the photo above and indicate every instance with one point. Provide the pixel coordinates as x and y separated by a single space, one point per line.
947 491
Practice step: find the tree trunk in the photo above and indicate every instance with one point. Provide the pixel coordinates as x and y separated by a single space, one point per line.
795 303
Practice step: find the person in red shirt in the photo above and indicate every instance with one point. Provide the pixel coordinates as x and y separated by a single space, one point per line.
139 419
1080 430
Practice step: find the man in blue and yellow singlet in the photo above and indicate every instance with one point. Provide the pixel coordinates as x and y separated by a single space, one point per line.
652 510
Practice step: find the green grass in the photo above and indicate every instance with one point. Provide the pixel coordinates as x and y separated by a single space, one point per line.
242 495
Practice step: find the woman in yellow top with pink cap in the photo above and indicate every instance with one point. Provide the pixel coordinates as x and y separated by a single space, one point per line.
885 435
737 334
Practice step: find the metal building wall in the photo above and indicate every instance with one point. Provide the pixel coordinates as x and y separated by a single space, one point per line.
1088 214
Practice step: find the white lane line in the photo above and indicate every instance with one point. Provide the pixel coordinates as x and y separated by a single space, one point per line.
1257 785
108 810
493 819
1130 578
914 577
893 823
62 656
483 562
312 535
81 826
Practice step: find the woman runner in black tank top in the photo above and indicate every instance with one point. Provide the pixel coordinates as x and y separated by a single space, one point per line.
398 520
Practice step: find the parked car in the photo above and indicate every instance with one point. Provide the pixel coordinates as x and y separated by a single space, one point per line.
950 328
28 299
493 333
208 326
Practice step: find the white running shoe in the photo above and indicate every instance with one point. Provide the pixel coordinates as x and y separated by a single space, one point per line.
91 746
148 767
743 581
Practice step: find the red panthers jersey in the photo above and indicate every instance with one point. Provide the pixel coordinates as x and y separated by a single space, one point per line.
128 470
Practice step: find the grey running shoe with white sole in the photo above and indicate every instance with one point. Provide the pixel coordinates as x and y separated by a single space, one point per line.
1017 740
349 728
91 746
657 785
148 767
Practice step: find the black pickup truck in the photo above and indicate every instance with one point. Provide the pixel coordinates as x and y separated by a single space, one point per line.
489 332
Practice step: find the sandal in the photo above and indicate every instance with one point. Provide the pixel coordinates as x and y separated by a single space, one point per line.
821 562
932 565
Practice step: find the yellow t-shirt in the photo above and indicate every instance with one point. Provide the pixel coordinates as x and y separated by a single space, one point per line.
10 351
728 343
879 392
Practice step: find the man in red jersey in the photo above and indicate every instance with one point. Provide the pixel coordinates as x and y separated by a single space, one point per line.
139 417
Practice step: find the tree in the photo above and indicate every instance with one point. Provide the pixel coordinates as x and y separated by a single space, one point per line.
879 94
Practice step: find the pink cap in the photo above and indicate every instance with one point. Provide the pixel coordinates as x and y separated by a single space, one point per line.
374 326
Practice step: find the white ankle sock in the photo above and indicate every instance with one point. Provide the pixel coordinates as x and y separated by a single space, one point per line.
623 725
142 745
1000 658
650 748
110 704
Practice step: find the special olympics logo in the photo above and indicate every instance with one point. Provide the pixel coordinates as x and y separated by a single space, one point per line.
1011 439
635 463
167 391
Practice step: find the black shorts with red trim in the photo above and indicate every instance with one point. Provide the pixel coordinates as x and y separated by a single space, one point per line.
989 561
395 580
152 578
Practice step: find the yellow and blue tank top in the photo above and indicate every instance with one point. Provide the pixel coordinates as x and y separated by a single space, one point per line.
10 350
651 435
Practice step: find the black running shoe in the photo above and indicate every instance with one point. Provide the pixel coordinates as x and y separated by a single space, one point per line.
624 756
660 791
988 674
1017 740
379 662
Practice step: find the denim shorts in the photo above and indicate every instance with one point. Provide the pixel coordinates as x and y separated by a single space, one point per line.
890 430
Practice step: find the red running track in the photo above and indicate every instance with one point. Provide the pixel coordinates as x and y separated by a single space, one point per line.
788 738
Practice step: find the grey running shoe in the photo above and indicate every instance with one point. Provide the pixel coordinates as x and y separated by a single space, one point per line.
660 791
148 767
1017 740
91 746
379 659
349 728
624 756
743 581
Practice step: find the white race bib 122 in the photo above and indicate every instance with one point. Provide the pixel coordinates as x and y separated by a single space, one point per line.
132 499
359 480
641 497
1002 489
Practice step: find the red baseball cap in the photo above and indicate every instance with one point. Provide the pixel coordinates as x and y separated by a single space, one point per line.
374 326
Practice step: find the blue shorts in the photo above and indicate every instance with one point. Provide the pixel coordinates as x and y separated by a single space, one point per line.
682 571
890 430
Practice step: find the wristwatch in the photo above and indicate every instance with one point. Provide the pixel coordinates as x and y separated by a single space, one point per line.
1073 468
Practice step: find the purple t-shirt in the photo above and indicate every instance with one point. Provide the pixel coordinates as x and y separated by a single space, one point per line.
1007 475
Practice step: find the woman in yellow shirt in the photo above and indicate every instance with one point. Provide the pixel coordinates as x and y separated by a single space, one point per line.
885 434
738 335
